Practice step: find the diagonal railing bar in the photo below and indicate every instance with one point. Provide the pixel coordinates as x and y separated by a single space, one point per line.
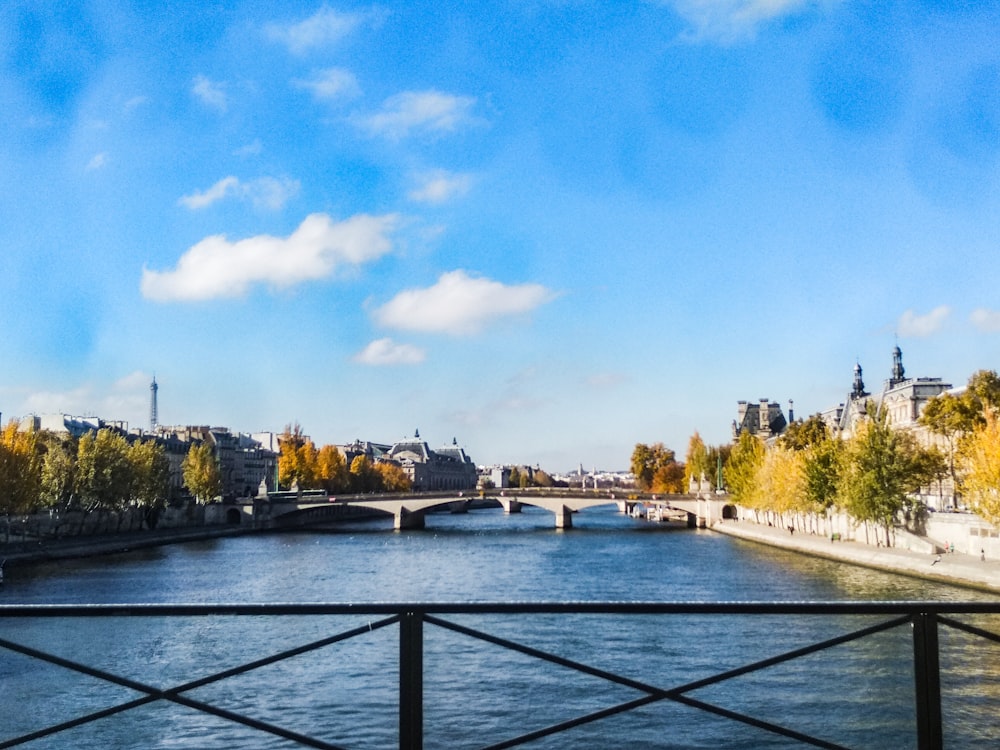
758 723
575 722
173 694
970 629
788 656
677 694
546 656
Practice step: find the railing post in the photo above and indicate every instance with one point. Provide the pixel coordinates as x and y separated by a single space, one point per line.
927 672
411 681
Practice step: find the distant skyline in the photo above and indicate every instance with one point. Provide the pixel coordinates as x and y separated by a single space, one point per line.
547 228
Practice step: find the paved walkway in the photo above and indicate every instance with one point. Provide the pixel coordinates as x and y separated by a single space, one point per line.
955 568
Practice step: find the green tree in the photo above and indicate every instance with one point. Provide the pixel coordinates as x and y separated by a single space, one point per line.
882 467
200 472
696 461
822 467
801 435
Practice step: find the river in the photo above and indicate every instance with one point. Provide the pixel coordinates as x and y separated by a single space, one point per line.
857 695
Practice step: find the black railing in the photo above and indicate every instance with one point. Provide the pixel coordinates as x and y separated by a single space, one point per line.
925 619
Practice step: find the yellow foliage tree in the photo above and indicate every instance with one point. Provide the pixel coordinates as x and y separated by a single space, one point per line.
393 478
20 469
781 482
979 460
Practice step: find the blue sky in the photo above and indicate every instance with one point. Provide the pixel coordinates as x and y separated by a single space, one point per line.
547 228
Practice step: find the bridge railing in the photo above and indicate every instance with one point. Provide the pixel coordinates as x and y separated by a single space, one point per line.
412 621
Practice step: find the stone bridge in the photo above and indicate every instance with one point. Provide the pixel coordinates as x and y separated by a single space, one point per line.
409 510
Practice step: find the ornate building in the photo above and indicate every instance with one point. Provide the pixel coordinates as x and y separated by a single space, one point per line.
447 468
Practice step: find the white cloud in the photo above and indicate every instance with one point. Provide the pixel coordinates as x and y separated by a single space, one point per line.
440 186
323 28
98 161
459 304
210 93
264 192
251 149
126 399
729 20
987 321
919 326
216 267
388 352
331 83
427 111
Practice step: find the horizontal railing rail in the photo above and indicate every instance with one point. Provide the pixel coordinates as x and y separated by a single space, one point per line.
925 619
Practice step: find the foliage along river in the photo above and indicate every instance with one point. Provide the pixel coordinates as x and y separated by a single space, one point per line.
857 695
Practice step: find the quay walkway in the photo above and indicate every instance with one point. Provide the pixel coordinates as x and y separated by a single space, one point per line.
955 568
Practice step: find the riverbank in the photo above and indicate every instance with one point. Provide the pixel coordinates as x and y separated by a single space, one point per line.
954 568
24 553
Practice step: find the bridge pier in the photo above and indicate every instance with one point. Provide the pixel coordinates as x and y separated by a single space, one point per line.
564 518
408 519
510 505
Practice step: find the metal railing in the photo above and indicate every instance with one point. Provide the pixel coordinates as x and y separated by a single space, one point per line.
925 619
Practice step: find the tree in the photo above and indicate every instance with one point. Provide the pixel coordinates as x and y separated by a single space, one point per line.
151 478
104 475
58 471
364 478
780 481
392 477
20 469
822 467
200 472
741 469
646 460
331 469
979 459
696 462
882 467
801 435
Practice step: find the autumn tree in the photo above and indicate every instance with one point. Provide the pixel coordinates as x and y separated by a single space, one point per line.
331 469
200 472
647 460
392 478
151 478
741 469
58 470
979 459
363 476
104 477
781 481
20 469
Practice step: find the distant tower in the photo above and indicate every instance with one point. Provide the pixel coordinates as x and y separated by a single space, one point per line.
859 384
898 374
154 418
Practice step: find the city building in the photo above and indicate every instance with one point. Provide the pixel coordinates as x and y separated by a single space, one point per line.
763 419
903 400
447 468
